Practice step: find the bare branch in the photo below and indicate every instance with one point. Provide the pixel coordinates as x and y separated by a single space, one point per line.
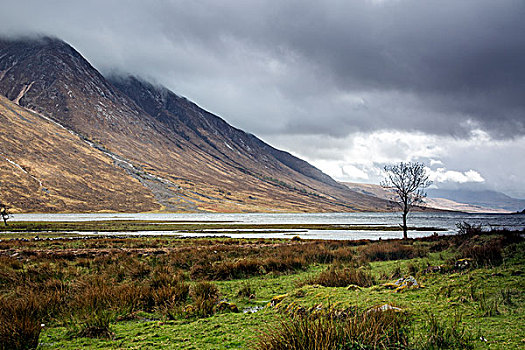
408 181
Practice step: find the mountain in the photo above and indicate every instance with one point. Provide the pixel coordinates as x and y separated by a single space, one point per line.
465 201
490 199
44 167
170 153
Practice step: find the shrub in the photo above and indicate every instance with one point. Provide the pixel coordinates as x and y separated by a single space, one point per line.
339 277
20 321
464 228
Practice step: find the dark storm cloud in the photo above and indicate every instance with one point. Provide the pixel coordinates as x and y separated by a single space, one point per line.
311 67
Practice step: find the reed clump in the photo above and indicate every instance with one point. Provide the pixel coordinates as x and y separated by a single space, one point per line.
338 329
384 251
342 277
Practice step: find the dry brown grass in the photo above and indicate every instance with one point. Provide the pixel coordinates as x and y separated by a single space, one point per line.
383 251
205 296
342 277
20 321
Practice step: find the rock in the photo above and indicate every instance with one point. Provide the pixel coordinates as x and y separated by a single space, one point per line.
227 306
463 264
403 284
385 307
353 287
252 309
277 299
233 308
390 285
433 269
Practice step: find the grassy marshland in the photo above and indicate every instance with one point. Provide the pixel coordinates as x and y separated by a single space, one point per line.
165 292
182 226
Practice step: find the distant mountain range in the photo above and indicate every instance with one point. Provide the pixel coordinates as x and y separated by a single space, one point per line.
456 200
487 199
74 140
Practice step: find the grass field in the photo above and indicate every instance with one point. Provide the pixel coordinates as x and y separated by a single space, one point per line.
226 293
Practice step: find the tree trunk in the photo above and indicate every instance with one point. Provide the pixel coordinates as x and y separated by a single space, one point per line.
405 228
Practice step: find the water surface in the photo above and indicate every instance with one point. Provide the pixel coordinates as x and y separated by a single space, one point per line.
445 221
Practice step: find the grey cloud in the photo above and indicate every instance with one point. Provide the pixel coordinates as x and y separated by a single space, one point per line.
426 66
307 75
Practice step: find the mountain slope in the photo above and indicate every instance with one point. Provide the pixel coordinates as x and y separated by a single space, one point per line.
491 199
43 167
185 157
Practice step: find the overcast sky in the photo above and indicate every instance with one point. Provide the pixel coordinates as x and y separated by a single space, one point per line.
346 85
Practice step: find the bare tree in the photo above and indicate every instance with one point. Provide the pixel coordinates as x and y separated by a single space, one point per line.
408 181
4 213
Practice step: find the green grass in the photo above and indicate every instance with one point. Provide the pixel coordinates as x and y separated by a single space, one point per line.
484 303
183 226
232 330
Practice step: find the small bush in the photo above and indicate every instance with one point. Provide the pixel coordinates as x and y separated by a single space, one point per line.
339 277
464 228
20 321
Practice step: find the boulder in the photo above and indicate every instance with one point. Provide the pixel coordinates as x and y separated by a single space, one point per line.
463 264
227 306
403 284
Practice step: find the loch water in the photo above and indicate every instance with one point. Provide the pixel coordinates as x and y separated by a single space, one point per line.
444 221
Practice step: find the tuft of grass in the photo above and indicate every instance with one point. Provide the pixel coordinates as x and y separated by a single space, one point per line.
488 306
483 254
92 305
343 329
342 277
20 321
246 267
95 324
440 336
384 251
205 296
246 291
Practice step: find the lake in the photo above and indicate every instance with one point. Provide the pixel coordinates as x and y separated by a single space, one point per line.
445 221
